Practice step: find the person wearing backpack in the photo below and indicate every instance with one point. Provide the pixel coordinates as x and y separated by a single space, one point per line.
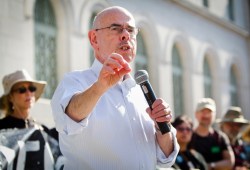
233 124
187 158
212 143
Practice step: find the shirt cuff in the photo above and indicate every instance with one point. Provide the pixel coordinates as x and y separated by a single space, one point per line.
162 160
71 127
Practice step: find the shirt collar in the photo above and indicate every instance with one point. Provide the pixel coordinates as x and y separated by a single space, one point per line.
129 82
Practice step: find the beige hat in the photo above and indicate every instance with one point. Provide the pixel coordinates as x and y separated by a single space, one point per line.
233 114
22 76
206 103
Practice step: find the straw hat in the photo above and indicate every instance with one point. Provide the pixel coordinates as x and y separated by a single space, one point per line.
206 103
233 114
22 76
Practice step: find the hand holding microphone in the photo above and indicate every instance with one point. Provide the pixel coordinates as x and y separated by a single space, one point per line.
141 78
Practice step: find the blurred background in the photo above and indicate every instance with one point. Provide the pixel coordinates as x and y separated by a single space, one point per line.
190 48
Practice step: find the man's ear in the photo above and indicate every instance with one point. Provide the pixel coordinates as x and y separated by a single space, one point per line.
92 38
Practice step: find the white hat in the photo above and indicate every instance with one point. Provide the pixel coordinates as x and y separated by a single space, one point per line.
22 76
206 103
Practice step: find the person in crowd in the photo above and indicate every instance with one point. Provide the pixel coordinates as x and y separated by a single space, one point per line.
232 125
212 143
20 94
102 117
246 140
187 158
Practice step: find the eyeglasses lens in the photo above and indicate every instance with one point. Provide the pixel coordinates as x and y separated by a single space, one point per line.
118 29
181 129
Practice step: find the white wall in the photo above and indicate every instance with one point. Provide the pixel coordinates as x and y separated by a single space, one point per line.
165 22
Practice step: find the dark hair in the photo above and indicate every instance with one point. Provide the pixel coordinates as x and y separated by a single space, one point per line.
181 119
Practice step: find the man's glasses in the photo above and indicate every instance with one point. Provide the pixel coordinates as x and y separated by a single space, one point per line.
182 129
22 90
118 29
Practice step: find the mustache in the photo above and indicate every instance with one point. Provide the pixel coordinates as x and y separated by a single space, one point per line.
124 43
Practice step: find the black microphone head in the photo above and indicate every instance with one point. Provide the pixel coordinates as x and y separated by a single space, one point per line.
141 76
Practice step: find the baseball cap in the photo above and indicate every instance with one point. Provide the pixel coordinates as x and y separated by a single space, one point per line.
206 103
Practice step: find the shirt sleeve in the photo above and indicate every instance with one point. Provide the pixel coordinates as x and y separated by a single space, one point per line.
162 160
60 100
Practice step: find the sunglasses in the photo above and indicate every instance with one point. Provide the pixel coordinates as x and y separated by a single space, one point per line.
22 90
181 129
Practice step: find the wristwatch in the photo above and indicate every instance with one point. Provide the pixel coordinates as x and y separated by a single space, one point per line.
212 164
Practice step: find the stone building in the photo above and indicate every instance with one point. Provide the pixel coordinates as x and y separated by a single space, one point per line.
191 48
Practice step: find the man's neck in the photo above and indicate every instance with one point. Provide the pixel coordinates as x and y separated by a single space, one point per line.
203 130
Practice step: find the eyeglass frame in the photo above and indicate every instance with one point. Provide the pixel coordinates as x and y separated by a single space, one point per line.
22 90
182 129
136 29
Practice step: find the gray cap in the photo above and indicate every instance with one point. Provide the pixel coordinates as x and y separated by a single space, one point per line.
206 103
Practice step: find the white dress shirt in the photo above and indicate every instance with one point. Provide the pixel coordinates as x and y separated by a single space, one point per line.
117 135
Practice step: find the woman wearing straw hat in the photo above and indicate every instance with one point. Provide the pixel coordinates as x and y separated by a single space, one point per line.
20 94
232 124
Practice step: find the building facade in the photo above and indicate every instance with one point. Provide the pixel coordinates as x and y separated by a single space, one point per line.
190 48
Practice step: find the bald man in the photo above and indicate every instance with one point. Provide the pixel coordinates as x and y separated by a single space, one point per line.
102 117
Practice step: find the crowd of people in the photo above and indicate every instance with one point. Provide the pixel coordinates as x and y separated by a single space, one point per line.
215 144
104 122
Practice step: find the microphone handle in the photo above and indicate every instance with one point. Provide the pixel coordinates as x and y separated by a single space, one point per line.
150 97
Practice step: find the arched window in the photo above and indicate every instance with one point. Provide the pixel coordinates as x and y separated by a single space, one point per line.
231 10
141 59
177 82
207 79
45 45
233 88
205 3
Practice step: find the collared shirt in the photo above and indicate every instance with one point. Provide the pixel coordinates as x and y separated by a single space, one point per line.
117 135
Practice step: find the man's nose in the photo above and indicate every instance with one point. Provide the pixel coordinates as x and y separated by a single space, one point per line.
125 35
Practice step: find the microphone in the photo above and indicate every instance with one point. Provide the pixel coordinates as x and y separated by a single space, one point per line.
141 78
